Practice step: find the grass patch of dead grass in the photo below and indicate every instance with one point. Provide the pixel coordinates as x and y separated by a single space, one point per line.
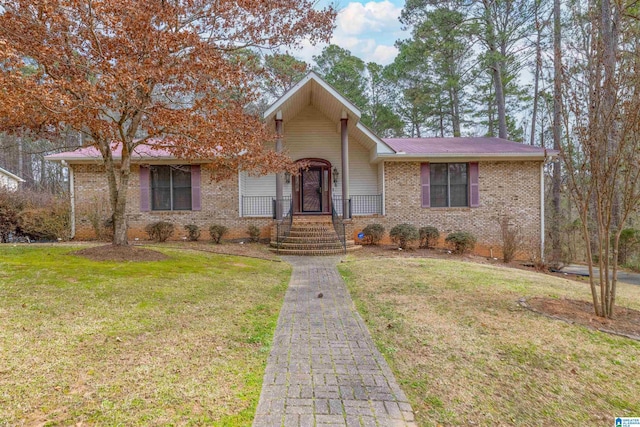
181 341
465 352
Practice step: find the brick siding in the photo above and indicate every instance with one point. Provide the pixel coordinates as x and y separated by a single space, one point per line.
219 206
506 188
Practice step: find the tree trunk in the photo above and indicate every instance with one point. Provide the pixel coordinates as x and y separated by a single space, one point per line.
120 225
496 69
536 79
500 103
117 192
490 129
556 249
609 21
456 113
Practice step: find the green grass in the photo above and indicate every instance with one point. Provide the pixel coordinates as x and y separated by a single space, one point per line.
180 341
466 353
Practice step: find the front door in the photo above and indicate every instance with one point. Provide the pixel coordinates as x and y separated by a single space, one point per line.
312 190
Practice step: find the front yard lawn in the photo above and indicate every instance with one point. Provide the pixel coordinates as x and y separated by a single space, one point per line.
466 353
183 341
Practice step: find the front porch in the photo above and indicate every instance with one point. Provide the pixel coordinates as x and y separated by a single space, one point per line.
265 206
337 175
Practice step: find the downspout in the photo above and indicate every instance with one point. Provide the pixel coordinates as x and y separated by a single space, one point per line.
240 210
542 209
72 198
384 189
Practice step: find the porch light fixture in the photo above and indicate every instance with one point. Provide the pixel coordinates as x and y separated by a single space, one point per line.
336 175
287 177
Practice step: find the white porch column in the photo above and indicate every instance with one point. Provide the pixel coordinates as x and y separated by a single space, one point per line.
279 177
344 137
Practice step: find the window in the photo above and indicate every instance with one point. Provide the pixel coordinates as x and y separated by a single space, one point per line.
170 188
447 184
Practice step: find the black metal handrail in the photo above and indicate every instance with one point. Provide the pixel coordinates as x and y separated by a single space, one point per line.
339 227
360 204
256 205
283 227
259 206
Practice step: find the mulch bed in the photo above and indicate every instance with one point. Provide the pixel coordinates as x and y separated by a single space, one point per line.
625 321
120 254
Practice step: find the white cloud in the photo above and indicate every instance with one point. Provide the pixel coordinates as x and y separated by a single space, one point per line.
368 30
372 17
384 54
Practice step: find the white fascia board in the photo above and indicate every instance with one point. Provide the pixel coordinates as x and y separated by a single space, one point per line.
11 175
381 146
326 86
135 160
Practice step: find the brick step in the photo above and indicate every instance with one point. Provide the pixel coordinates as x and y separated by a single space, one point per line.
322 252
308 247
329 223
302 233
323 219
311 239
307 244
311 228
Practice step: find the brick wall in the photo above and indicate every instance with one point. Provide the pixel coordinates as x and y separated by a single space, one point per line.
506 188
219 206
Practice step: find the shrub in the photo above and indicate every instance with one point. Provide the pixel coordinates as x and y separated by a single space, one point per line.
33 214
254 233
428 237
159 231
534 253
216 232
461 241
50 223
511 239
373 233
97 212
193 232
8 216
404 234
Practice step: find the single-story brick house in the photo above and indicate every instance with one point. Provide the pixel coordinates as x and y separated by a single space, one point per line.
454 184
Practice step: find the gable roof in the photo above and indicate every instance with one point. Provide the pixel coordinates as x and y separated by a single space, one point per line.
11 175
314 90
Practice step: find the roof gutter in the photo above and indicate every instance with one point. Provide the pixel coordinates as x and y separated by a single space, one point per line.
134 160
402 157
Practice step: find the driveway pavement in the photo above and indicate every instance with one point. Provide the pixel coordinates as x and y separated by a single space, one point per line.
324 369
583 270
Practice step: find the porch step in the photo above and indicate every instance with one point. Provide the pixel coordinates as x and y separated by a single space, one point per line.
312 239
310 235
318 252
312 219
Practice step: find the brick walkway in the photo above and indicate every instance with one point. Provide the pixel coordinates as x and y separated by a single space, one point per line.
324 369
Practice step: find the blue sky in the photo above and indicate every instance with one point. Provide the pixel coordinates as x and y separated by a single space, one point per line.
368 29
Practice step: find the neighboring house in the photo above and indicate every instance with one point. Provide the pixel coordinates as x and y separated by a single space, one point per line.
9 181
454 184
